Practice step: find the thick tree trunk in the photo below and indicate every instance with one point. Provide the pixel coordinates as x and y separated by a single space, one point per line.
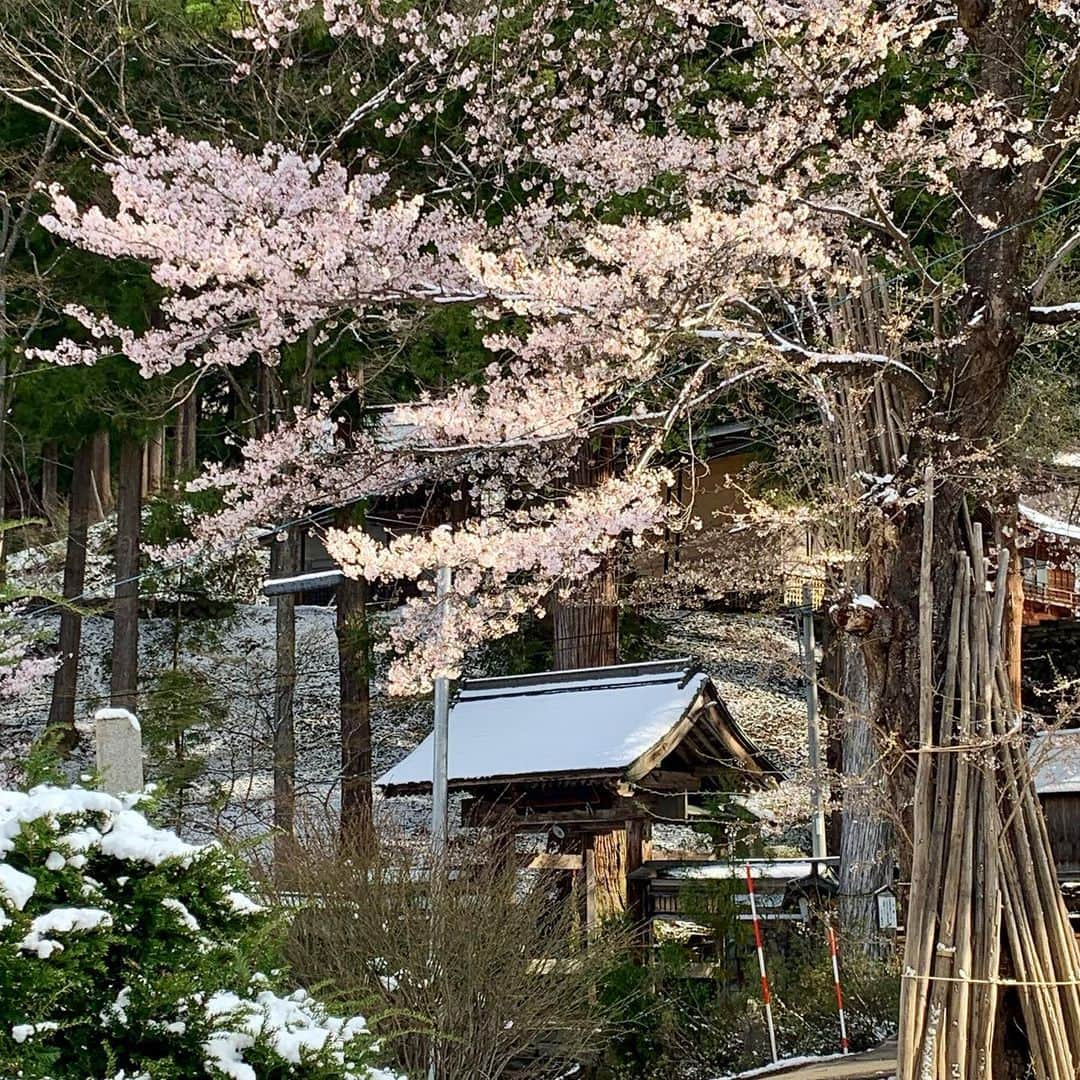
101 497
188 456
155 460
50 501
586 624
866 840
125 651
355 702
284 559
62 709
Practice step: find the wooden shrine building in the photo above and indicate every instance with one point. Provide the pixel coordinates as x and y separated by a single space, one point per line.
589 760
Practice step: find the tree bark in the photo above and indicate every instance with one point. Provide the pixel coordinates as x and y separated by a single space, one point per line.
585 623
101 478
62 708
155 460
125 652
866 841
50 501
355 703
284 558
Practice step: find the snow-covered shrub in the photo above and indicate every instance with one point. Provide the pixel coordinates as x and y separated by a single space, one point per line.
126 952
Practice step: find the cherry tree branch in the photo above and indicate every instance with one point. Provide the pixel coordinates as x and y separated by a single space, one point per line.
1055 314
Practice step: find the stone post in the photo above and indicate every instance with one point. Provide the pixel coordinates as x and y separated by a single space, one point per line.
118 739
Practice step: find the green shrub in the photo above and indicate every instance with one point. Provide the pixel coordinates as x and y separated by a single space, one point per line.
680 1028
128 954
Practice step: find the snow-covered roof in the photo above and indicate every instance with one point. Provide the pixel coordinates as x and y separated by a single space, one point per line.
1048 524
1055 762
564 723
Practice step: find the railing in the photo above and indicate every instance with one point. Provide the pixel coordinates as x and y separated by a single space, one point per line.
1052 595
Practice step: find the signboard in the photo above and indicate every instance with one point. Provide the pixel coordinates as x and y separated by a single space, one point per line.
886 909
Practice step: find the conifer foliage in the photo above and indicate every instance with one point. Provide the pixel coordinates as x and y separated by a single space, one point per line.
128 954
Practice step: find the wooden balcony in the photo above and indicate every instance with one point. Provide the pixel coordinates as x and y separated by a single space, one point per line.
1056 598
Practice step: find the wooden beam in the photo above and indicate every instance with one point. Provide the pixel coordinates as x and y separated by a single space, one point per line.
554 860
673 780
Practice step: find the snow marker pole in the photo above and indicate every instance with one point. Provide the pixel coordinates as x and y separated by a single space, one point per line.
766 997
839 992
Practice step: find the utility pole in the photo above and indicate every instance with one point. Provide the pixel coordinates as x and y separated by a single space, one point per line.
813 736
440 739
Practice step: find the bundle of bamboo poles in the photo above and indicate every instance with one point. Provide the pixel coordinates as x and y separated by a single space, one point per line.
985 912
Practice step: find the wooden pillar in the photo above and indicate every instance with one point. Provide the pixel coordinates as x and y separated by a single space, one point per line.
605 869
191 429
638 851
1014 608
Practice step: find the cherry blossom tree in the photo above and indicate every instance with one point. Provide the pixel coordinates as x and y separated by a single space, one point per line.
643 206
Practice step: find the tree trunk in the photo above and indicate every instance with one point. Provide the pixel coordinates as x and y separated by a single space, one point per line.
355 703
125 652
284 557
609 872
62 708
866 842
585 622
101 478
586 625
188 454
50 501
155 460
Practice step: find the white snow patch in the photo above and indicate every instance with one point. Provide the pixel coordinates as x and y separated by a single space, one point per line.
181 911
21 1032
118 714
16 886
782 1064
63 920
242 904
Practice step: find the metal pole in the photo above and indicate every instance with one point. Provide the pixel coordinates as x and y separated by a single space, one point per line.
813 735
439 799
766 995
839 993
439 781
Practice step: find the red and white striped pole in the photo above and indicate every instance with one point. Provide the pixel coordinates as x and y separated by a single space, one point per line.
766 997
839 992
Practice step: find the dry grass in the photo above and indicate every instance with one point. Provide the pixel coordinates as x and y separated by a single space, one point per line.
442 954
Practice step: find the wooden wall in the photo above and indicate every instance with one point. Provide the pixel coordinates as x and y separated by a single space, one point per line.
1062 814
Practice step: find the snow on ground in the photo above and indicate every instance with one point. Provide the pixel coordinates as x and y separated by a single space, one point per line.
754 660
781 1066
236 654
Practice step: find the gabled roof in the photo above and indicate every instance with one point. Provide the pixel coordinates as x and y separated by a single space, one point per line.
597 723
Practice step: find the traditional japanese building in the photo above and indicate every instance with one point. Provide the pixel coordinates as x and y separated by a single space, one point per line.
590 759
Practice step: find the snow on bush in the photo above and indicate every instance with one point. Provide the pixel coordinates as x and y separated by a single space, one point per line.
126 952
